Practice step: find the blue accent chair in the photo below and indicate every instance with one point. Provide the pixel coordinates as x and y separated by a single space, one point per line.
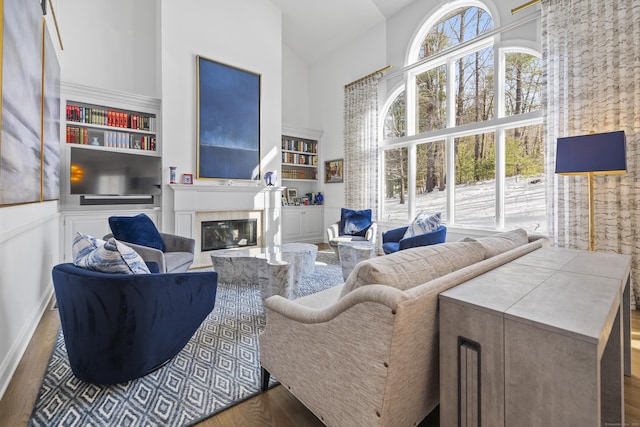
118 327
393 241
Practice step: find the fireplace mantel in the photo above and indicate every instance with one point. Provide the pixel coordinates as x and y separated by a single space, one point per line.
227 195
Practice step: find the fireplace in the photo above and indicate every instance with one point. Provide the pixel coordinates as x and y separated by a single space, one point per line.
232 233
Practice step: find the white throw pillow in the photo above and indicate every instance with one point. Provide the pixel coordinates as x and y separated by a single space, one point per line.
423 223
501 242
111 256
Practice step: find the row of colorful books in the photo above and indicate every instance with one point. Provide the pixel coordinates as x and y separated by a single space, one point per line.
299 174
109 138
300 145
299 159
105 117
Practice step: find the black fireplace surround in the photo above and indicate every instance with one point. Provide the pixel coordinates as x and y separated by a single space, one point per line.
226 234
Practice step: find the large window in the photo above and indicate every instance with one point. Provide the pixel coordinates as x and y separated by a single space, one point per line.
465 128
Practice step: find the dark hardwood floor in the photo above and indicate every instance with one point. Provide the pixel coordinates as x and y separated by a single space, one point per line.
277 407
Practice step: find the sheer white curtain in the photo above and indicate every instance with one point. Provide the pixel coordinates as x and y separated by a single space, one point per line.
361 144
592 69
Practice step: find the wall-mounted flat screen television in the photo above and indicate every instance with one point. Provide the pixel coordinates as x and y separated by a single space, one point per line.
107 173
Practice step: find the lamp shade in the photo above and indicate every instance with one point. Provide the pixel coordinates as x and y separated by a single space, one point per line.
596 153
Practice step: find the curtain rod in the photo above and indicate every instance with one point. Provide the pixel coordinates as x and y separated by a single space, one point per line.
381 70
524 6
55 21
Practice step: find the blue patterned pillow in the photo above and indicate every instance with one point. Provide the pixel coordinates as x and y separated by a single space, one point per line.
354 223
137 229
423 223
107 257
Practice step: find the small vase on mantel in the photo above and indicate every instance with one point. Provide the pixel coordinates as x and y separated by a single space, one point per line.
172 175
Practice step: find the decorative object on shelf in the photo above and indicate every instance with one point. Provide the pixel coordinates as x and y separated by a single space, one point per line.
592 154
228 121
270 178
94 141
333 171
187 178
292 194
319 198
172 175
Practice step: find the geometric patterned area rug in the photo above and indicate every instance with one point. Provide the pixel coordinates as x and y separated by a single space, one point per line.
218 368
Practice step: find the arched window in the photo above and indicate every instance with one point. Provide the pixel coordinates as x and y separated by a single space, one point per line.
463 134
458 26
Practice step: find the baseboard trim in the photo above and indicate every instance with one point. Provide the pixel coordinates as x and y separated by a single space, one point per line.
10 363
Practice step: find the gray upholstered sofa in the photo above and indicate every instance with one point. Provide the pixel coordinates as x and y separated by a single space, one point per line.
365 353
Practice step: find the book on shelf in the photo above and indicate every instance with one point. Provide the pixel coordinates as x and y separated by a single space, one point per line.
303 146
110 117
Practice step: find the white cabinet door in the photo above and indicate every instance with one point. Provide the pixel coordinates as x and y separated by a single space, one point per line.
291 224
312 223
302 224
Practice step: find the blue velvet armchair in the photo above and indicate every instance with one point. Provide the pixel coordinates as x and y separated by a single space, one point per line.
118 327
393 241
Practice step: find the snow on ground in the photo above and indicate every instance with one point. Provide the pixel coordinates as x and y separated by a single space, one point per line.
524 204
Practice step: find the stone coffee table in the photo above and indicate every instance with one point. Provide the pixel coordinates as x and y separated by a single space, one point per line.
277 269
351 253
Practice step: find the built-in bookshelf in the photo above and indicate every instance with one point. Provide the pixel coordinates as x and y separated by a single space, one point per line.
96 125
299 159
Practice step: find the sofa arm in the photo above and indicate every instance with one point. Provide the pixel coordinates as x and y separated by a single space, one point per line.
348 348
432 238
372 233
394 235
301 313
175 243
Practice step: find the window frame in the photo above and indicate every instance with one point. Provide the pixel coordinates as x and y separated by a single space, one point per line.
498 124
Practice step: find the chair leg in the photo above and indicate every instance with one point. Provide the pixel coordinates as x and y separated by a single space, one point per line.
264 377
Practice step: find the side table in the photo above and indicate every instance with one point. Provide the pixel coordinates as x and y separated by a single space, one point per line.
351 253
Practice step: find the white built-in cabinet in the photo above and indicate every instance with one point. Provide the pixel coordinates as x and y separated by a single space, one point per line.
302 224
301 172
104 121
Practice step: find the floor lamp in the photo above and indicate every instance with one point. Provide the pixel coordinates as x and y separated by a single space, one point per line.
592 154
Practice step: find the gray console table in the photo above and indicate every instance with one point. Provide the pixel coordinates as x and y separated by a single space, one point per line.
543 340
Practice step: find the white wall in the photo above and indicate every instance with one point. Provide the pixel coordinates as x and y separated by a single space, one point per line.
295 89
328 77
110 44
28 250
243 34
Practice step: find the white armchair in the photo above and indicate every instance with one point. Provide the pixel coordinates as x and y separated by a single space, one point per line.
334 237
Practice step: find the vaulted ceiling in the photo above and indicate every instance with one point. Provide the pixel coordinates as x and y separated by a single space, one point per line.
313 28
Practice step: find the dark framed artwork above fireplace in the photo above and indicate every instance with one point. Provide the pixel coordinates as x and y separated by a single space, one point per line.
228 121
